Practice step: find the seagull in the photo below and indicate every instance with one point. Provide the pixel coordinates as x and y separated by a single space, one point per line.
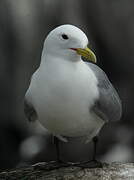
69 97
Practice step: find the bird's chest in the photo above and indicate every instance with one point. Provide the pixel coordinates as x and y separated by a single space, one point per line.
64 100
67 88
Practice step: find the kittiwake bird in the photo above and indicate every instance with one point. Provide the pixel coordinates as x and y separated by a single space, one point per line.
70 97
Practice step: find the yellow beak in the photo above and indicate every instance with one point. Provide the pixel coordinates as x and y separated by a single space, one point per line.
87 54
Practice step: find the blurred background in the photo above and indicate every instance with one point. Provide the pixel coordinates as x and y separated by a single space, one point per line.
24 25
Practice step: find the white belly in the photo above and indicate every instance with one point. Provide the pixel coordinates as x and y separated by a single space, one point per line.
63 103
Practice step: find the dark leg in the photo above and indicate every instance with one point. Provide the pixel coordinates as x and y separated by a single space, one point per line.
59 161
93 163
56 141
95 141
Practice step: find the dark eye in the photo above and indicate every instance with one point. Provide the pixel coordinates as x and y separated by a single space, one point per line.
64 36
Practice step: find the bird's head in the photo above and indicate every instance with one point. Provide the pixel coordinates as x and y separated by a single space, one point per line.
68 41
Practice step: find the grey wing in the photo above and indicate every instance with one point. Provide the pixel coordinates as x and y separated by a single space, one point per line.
108 106
29 110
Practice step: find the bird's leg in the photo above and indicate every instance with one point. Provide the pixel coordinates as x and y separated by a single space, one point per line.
59 161
97 163
56 141
93 163
95 141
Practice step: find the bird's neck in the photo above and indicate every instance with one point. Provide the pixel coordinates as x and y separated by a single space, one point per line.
55 59
56 65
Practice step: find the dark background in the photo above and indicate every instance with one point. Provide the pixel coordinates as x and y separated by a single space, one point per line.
24 25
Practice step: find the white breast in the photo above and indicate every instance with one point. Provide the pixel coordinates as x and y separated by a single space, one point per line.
63 95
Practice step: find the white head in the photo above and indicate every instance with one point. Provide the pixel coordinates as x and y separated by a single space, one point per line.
69 42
